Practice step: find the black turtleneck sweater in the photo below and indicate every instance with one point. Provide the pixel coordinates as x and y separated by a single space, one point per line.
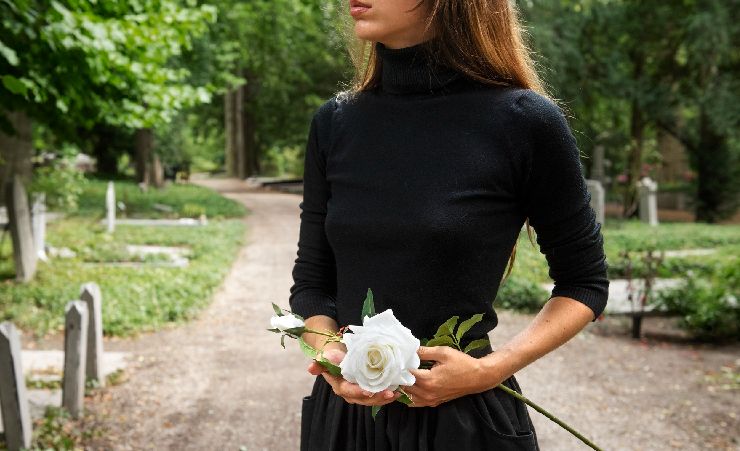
419 188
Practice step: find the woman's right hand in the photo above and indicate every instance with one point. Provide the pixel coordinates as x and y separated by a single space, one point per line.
352 393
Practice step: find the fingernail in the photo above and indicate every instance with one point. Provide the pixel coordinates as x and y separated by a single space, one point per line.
388 395
367 393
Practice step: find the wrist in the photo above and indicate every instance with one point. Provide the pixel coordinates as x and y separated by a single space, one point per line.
495 368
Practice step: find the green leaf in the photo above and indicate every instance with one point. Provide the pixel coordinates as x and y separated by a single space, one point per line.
9 54
476 344
447 327
404 398
311 352
333 369
467 324
368 307
14 85
276 330
308 350
375 411
424 341
278 310
445 340
295 330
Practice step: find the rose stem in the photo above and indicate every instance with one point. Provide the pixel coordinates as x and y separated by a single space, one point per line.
549 415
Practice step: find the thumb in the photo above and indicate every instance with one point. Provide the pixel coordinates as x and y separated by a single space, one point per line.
436 353
335 356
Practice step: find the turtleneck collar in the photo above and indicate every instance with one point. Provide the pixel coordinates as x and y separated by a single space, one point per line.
411 70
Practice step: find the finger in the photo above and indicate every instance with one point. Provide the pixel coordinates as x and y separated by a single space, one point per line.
315 369
421 375
335 356
437 353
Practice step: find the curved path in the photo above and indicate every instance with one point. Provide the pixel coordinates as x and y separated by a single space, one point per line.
223 382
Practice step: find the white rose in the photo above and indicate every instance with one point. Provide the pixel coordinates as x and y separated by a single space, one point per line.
285 322
380 353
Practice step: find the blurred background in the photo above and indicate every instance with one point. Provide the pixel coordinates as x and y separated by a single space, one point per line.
146 145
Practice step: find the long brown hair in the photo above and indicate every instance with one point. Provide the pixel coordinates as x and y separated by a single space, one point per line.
483 39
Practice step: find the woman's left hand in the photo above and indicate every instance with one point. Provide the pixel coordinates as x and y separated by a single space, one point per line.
454 374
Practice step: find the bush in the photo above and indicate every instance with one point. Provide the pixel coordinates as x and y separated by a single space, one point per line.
708 305
521 294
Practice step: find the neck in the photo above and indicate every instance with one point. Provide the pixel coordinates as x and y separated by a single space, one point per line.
412 69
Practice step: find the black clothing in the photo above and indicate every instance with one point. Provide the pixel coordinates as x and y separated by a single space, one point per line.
418 189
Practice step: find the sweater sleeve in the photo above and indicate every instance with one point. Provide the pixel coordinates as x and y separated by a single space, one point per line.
314 272
557 202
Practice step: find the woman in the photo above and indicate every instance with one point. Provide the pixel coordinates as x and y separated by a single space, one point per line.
417 183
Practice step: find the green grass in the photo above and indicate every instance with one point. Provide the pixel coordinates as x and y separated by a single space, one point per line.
531 268
134 298
185 200
638 237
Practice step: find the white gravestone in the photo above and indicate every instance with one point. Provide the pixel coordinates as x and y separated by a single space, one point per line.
110 205
13 396
648 190
90 295
75 357
597 199
38 223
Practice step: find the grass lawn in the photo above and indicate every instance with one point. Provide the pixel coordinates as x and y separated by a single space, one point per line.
134 298
637 236
521 291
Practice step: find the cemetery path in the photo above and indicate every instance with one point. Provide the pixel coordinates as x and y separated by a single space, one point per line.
223 382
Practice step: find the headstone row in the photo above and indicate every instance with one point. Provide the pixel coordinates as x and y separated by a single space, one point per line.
83 352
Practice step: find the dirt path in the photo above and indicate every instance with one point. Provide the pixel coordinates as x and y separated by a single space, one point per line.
223 382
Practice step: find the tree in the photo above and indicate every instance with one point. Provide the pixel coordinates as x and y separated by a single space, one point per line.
73 64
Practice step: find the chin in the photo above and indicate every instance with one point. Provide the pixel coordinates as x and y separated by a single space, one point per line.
367 32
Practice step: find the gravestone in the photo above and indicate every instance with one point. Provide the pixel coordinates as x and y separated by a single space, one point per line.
648 190
75 357
13 396
597 199
597 164
38 222
91 296
110 205
19 217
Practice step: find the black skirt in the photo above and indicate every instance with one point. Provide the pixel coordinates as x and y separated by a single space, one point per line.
491 420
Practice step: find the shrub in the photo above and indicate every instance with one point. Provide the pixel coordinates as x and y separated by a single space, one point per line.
708 305
521 294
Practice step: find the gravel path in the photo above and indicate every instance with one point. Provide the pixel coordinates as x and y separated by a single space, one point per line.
223 382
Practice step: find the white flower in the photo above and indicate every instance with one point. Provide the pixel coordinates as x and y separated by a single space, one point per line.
285 322
380 353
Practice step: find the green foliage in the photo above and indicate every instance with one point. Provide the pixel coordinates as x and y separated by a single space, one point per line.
521 294
446 334
368 305
60 182
186 201
72 64
708 305
291 56
641 68
313 353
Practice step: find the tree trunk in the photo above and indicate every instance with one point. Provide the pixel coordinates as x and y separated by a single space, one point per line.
239 147
229 151
105 154
716 193
634 160
143 141
16 150
15 162
156 172
251 159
